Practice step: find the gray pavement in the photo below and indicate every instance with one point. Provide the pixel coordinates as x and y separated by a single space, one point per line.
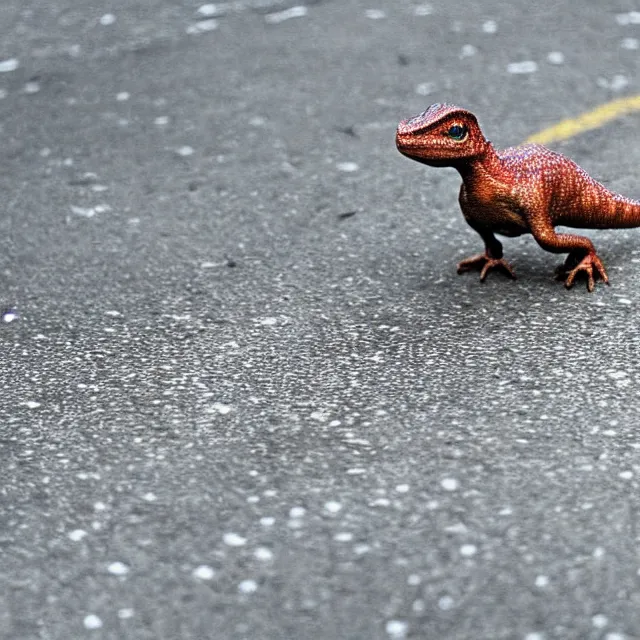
227 410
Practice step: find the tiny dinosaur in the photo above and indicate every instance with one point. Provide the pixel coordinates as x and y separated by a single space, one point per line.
523 189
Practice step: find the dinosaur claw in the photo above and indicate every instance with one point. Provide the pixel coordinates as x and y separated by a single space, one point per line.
485 263
475 262
591 265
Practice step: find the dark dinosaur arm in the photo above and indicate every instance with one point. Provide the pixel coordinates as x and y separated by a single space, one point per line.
492 258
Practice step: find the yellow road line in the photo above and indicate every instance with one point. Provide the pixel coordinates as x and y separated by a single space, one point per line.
589 120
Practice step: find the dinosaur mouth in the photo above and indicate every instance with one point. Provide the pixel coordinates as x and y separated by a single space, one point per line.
407 144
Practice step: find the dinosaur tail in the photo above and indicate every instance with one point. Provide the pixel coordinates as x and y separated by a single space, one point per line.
622 213
599 208
590 205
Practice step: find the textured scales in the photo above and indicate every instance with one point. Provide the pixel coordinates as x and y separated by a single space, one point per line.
524 189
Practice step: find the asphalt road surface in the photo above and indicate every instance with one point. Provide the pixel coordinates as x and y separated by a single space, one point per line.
244 394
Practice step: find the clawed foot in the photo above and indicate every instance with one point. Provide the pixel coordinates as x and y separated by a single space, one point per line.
485 263
591 265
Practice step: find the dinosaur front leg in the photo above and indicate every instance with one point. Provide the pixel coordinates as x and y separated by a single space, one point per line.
490 259
589 264
582 258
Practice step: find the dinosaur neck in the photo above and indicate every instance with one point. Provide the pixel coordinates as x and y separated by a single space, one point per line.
486 162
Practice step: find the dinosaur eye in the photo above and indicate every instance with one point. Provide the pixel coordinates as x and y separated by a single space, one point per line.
458 132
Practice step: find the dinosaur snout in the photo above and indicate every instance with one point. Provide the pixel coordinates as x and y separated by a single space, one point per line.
404 127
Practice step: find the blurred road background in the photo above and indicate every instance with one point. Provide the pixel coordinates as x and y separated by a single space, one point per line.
244 394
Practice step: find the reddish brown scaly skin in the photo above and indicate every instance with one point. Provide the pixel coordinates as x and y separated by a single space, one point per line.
524 189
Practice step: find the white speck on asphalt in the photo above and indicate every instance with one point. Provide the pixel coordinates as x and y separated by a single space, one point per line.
204 572
32 87
468 550
118 569
209 10
525 66
185 151
267 521
468 51
107 19
297 512
449 484
375 14
541 582
234 540
490 26
287 14
248 586
221 408
257 121
626 475
423 10
202 26
425 88
83 212
123 96
555 57
402 488
332 506
31 404
347 167
632 17
446 603
599 621
397 629
9 65
92 622
207 25
630 43
617 83
76 535
343 536
126 613
263 554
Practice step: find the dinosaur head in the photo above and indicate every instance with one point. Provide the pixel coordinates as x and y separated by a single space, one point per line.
443 135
